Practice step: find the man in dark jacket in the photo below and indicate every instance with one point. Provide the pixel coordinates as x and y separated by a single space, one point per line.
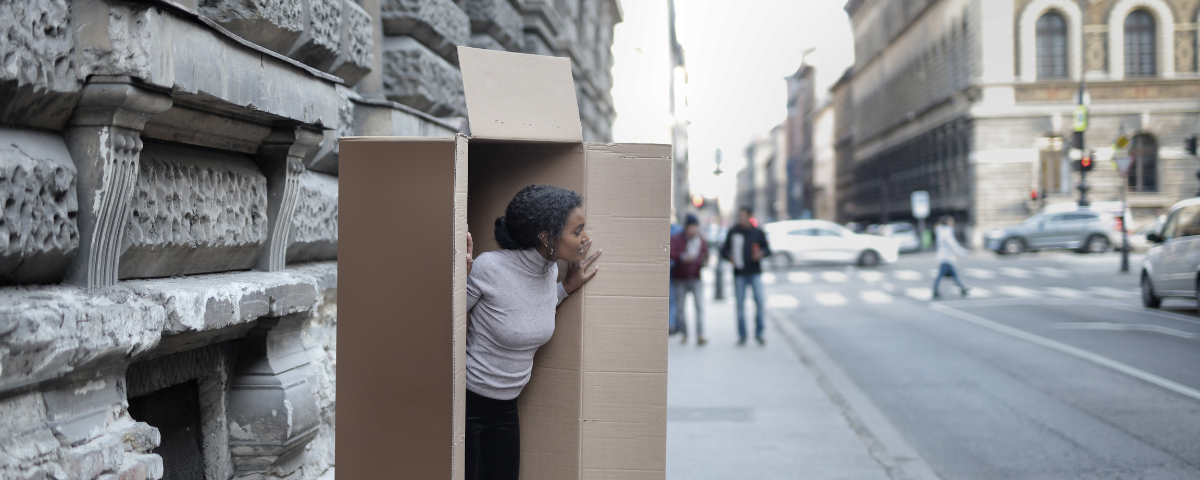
689 253
745 247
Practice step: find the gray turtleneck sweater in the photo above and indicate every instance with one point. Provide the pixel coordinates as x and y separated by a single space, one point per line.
511 298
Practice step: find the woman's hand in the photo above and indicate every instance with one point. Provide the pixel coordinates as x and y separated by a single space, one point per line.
470 248
577 274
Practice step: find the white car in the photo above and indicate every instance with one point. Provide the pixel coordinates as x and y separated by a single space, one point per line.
1172 267
822 241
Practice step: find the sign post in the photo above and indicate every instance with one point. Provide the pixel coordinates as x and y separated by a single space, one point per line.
920 210
1123 161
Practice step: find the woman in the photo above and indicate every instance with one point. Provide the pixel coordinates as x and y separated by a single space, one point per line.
947 249
512 294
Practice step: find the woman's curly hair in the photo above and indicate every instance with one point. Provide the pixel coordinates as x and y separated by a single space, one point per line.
533 210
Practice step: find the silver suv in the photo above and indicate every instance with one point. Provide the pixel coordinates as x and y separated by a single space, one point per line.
1084 230
1172 267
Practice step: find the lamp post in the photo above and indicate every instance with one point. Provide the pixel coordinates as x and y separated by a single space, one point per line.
1081 112
718 288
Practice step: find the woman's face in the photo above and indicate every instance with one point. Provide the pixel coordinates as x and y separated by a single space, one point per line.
574 237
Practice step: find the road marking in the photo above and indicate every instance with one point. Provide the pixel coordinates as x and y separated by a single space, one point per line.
768 278
1124 327
834 277
979 273
977 292
782 301
1064 348
830 299
874 296
1015 272
800 277
1115 293
1014 291
907 275
887 287
919 293
1065 292
1053 272
871 276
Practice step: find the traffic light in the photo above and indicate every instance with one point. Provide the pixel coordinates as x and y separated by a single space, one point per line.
1190 145
1033 194
698 201
1086 163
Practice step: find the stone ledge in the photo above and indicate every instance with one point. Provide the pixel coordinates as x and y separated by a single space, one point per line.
498 19
416 76
439 24
49 331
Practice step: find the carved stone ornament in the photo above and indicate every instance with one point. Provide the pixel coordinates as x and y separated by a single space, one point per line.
281 159
104 139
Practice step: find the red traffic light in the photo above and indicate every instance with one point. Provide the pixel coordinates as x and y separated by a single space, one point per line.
697 201
1086 162
1033 194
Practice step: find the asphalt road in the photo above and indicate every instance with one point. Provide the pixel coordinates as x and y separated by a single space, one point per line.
1050 368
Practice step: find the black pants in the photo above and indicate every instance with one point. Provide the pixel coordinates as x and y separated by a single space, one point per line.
493 439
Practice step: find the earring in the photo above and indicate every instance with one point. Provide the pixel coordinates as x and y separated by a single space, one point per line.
551 250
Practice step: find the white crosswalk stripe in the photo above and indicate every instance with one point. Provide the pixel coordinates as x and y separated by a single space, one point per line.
782 301
830 299
800 277
1115 292
977 292
874 296
979 273
919 293
870 276
1065 292
907 275
1053 272
1015 272
1015 291
768 278
834 277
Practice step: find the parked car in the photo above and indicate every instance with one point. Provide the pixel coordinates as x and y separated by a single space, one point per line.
1084 230
822 241
1138 240
906 234
1172 267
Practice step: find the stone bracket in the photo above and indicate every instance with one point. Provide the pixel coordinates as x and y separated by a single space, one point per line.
104 138
281 159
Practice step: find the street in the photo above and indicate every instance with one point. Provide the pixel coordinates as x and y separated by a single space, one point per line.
1049 369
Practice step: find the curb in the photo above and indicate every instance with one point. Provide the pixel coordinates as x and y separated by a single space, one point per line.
899 459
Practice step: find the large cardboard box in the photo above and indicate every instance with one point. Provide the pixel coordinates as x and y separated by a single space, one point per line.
596 405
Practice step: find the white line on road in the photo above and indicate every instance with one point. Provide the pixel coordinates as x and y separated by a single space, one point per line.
871 276
1064 348
907 275
1015 272
1115 293
979 273
1053 272
830 299
800 277
1065 292
919 293
834 277
782 301
1124 327
874 296
768 278
1015 291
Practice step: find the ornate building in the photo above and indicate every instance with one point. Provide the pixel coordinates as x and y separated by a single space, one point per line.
971 100
168 237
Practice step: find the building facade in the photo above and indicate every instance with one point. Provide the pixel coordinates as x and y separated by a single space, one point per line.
168 245
972 101
763 183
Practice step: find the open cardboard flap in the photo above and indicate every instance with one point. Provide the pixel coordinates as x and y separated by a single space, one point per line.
519 97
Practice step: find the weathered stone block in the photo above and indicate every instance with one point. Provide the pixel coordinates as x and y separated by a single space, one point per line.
318 45
38 233
416 76
274 24
38 79
324 159
193 212
314 233
485 41
356 44
536 45
496 18
439 24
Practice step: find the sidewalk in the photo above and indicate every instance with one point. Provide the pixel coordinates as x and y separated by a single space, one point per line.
770 411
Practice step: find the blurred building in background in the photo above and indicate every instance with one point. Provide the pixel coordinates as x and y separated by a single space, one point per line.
168 245
763 184
972 101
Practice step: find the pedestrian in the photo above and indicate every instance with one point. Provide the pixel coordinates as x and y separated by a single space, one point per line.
512 294
947 250
745 246
689 253
674 313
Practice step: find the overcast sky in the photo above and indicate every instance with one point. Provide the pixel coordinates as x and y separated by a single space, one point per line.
737 54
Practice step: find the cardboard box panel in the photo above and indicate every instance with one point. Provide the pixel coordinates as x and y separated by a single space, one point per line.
397 385
516 97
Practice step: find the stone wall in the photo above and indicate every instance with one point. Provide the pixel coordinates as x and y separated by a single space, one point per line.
169 212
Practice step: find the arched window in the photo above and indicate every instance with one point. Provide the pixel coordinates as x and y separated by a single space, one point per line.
1051 46
1139 44
1143 174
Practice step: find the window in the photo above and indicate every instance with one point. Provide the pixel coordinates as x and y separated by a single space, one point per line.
1139 45
821 232
1186 222
1051 46
807 232
1143 174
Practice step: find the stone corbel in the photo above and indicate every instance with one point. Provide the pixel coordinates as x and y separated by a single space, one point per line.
272 413
281 159
104 138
